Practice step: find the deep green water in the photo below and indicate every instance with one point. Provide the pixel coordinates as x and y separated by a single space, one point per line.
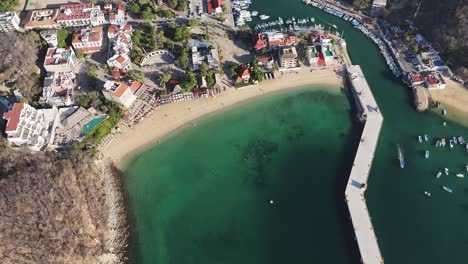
202 196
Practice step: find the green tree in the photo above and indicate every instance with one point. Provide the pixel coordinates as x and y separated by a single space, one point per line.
63 37
189 82
8 5
193 23
79 54
233 70
136 37
204 68
136 75
148 13
257 74
361 4
135 8
182 60
210 80
163 79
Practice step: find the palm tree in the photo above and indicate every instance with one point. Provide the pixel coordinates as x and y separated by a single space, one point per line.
163 79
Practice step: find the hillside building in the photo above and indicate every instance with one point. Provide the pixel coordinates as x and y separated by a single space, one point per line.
41 18
89 40
9 22
120 92
60 60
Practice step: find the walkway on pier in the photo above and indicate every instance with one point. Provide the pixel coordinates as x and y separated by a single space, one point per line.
357 182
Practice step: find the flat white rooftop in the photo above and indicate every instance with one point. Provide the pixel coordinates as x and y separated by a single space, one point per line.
357 182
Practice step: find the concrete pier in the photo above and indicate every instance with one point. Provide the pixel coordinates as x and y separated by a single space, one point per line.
357 182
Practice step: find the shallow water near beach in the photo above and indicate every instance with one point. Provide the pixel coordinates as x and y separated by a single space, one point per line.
202 196
262 183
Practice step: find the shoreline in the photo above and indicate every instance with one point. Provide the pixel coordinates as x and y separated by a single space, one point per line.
169 119
453 98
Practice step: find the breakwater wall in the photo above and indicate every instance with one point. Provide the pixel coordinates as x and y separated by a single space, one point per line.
357 182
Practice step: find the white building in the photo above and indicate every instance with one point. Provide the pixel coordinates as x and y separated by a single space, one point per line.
288 58
118 18
41 18
50 36
379 3
121 38
9 21
89 40
80 15
27 126
60 60
58 89
120 92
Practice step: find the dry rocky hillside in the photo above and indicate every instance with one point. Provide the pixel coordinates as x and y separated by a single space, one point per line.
444 22
54 209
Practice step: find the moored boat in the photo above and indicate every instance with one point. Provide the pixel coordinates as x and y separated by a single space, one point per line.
455 140
460 175
401 158
426 154
264 17
420 139
438 144
448 189
439 174
443 142
426 137
254 13
446 171
461 140
466 167
451 143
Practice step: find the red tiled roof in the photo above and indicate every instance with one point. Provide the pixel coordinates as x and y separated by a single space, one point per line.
212 5
135 86
13 117
432 79
121 89
416 77
120 59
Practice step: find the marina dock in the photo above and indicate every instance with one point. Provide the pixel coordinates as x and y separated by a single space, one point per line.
357 182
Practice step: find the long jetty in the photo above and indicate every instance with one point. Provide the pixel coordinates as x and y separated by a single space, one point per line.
369 113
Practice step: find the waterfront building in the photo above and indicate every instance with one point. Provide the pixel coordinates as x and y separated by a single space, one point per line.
288 58
121 41
60 60
260 41
243 73
89 40
58 89
72 123
207 55
312 55
277 39
79 15
41 18
50 36
214 6
29 127
9 22
121 92
266 61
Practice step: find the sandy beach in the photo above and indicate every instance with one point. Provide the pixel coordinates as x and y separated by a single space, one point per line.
167 119
454 98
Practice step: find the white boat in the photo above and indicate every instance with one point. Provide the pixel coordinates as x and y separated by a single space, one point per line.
460 175
443 142
466 146
446 171
445 123
420 139
438 175
264 17
448 189
461 140
451 143
401 158
455 140
427 193
248 19
466 167
438 144
254 13
426 154
426 138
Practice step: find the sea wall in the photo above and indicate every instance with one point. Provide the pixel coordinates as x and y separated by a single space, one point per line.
118 217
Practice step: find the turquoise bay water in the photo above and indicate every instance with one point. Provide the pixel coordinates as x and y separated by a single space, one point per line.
203 195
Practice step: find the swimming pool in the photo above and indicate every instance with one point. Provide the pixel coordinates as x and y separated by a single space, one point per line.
93 123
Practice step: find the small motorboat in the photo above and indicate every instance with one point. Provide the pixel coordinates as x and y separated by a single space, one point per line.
455 140
448 189
451 143
460 175
446 171
254 13
438 175
438 144
426 137
461 140
420 139
466 167
264 17
426 154
444 112
443 142
445 123
466 146
427 193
